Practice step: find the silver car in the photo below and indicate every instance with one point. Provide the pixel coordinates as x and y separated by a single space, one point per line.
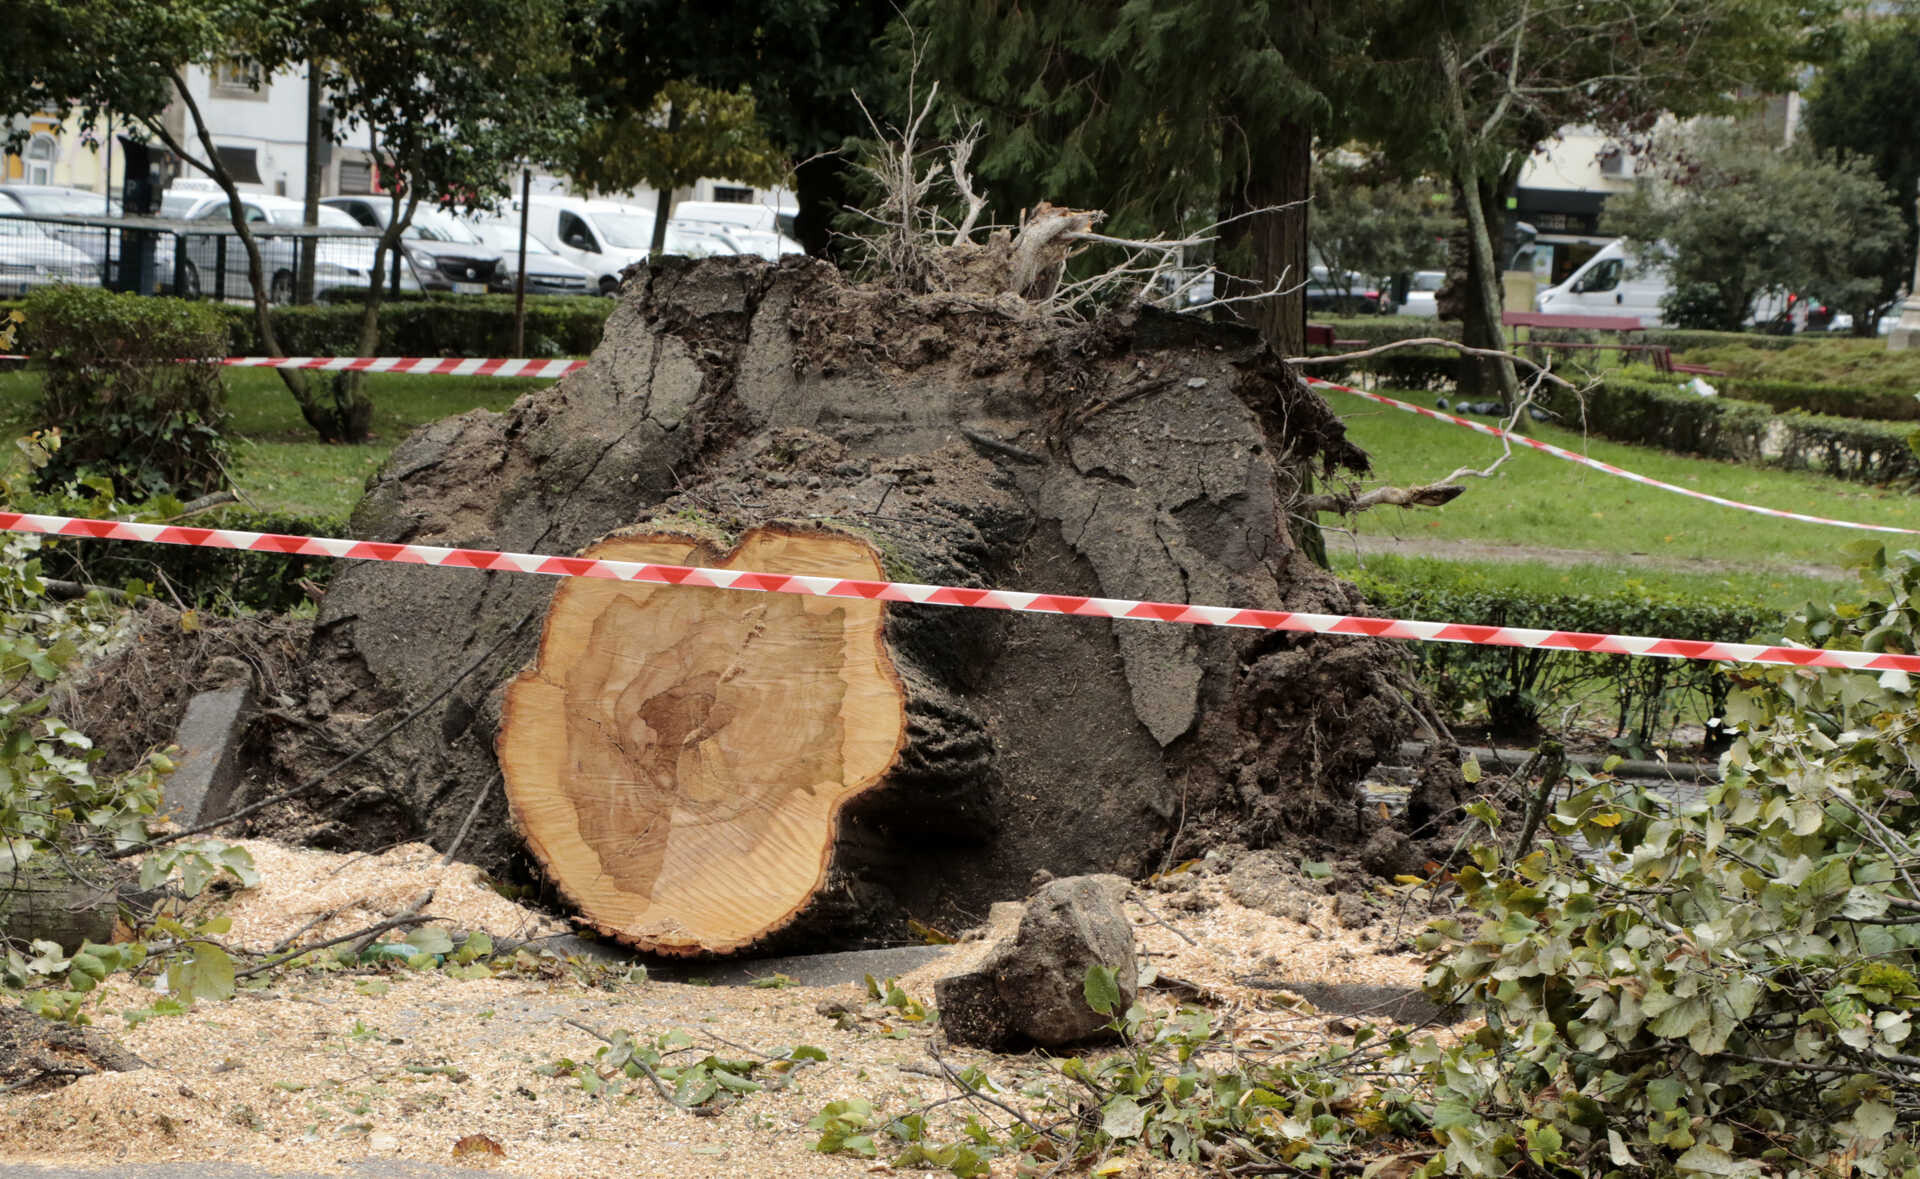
30 257
338 262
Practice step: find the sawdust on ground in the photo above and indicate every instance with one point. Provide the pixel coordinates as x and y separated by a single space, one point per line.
316 1070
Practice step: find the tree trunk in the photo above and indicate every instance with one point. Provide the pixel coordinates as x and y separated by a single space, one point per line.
696 768
1485 294
667 738
1266 251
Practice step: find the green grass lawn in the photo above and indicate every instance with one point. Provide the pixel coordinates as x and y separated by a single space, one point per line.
1782 591
1538 500
277 463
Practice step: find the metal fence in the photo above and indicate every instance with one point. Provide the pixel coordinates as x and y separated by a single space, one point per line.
192 259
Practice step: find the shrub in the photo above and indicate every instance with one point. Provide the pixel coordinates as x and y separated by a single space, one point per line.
122 388
1517 687
1721 986
1660 412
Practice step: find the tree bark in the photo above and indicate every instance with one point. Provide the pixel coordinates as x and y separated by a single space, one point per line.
1485 294
1267 251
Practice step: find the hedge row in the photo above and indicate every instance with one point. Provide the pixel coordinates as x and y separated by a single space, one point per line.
1835 400
1669 416
1382 329
1514 688
468 325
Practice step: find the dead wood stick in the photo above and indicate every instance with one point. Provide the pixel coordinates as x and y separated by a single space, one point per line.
974 1094
205 503
1434 342
410 913
659 1086
371 931
336 767
990 443
1432 495
1553 755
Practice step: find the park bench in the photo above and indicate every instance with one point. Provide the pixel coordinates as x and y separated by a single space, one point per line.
1320 335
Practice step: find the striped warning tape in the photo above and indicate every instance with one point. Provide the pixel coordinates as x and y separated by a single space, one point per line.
552 369
422 366
940 595
1562 452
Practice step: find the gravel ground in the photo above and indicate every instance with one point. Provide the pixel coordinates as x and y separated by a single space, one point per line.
360 1073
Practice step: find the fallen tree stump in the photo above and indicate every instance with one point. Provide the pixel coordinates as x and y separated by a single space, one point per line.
708 771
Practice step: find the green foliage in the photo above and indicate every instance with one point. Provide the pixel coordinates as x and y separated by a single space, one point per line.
687 132
1734 214
626 1065
1866 103
1861 370
120 389
804 60
1365 221
1515 688
1652 411
1724 985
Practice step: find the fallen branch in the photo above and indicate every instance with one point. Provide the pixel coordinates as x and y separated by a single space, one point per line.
370 932
1435 342
1432 495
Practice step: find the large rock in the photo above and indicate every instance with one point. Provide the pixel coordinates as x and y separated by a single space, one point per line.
1029 986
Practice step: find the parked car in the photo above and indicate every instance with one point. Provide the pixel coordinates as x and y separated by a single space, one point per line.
1361 297
736 240
547 272
445 252
606 237
1421 290
30 257
1612 282
743 214
102 245
338 262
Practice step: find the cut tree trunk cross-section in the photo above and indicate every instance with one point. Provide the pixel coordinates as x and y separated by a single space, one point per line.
678 757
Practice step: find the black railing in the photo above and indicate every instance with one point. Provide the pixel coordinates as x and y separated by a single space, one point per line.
193 259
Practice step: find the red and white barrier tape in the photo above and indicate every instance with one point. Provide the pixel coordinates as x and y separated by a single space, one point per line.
939 595
553 369
443 366
1562 452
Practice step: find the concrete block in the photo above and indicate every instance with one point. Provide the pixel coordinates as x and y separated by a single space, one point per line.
208 768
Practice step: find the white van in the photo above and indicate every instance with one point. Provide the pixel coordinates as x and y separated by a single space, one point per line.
1610 283
601 237
606 237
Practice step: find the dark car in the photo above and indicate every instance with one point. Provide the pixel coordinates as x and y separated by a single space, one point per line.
547 272
1361 297
444 251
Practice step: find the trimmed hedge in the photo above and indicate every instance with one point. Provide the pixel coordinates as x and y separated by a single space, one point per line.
462 325
118 386
1835 400
1649 413
1518 687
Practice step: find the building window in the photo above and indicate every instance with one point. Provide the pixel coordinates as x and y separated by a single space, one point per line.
356 176
732 194
241 163
42 153
237 79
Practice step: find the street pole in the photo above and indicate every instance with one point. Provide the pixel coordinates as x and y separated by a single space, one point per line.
1906 334
520 274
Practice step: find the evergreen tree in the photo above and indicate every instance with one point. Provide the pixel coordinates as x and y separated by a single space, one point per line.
1867 103
803 60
